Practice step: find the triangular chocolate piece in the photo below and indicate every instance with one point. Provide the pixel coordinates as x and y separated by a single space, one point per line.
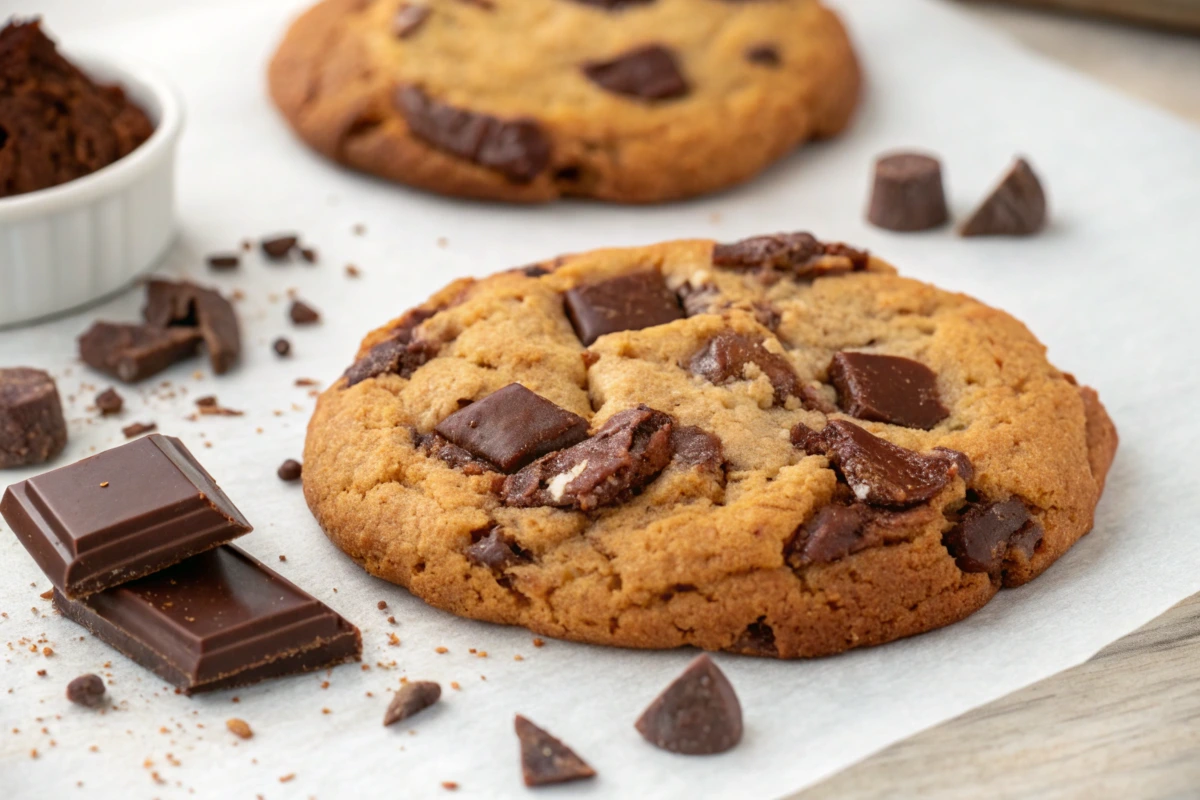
698 714
545 759
1016 207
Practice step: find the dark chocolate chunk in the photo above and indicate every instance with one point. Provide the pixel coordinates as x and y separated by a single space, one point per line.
495 549
966 470
32 427
877 471
628 452
402 353
697 715
208 406
517 148
222 262
725 357
834 533
434 445
411 698
282 347
138 428
649 72
545 759
409 17
120 514
301 313
109 402
766 55
512 427
86 690
217 620
697 299
696 447
991 533
184 304
889 389
1016 207
133 352
799 255
908 194
628 303
278 248
757 640
290 470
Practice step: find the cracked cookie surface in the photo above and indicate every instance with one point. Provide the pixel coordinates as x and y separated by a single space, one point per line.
530 100
811 453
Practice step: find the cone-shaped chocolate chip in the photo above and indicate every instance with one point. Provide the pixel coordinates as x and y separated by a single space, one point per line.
545 759
698 714
1016 207
908 193
411 698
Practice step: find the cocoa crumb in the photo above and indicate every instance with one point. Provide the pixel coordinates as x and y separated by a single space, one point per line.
290 776
239 728
352 271
440 650
283 558
450 786
393 640
46 595
381 605
539 642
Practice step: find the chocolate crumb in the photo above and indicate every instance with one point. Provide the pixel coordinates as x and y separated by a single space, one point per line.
86 690
282 347
278 248
109 402
289 470
239 728
308 254
223 262
283 558
352 271
138 428
381 605
302 313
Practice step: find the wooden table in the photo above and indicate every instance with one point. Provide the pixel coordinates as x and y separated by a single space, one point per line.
1125 724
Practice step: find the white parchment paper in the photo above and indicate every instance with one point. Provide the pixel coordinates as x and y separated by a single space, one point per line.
1111 288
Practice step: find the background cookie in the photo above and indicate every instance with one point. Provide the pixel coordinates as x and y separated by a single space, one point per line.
793 450
625 100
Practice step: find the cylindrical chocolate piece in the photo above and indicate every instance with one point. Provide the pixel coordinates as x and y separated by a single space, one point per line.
908 193
32 428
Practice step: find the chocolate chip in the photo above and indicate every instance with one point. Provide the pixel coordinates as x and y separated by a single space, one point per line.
86 690
966 470
757 640
877 471
889 389
1016 207
766 55
222 262
309 255
989 534
138 428
290 470
302 313
517 148
409 17
725 357
650 72
32 427
628 452
545 759
109 402
134 352
282 347
186 305
495 549
628 303
908 193
278 248
696 447
512 427
698 714
411 698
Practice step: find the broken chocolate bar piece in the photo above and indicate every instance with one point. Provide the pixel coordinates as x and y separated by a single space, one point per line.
133 352
184 304
545 759
698 714
120 514
32 428
218 620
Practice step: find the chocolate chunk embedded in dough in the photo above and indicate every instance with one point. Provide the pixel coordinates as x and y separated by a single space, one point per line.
650 72
698 714
889 389
725 358
627 303
989 533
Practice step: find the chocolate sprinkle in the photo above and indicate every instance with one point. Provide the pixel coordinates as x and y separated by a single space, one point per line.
725 357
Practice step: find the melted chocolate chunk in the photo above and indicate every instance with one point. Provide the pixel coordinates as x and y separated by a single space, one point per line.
517 148
545 759
400 354
628 303
877 471
134 352
627 453
989 534
908 193
650 72
411 698
889 389
512 427
409 17
495 549
696 447
186 305
698 714
766 55
724 359
434 445
86 690
757 640
798 254
1016 207
32 427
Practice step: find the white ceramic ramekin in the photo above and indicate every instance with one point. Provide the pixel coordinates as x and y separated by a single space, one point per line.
69 245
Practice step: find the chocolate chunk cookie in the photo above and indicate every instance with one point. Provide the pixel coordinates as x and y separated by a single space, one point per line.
776 446
538 99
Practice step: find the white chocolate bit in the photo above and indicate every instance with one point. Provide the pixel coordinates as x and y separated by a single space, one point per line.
558 484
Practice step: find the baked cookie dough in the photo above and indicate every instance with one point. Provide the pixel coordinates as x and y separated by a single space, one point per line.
776 446
529 100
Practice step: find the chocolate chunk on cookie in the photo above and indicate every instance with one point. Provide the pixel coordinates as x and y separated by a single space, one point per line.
400 354
32 427
765 55
889 389
1016 207
494 549
727 355
697 715
409 18
797 254
512 427
696 447
990 533
545 759
628 452
628 303
650 72
908 194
